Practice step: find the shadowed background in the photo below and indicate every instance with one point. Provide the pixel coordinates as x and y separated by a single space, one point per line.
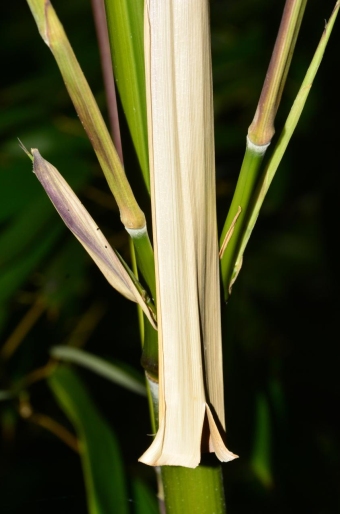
281 323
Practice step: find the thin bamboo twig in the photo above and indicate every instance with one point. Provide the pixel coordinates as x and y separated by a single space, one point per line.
35 376
141 242
259 137
98 7
27 412
262 128
148 335
23 327
86 324
54 36
286 134
56 429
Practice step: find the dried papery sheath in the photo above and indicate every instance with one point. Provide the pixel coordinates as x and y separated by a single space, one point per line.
181 151
81 224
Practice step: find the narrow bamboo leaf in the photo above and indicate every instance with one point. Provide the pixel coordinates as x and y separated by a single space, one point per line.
100 366
125 24
259 136
285 136
131 215
54 36
181 150
79 221
261 457
99 451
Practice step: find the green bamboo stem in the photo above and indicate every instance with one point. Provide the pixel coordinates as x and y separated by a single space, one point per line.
140 246
125 25
149 359
81 95
131 215
262 128
180 489
144 257
237 216
259 137
198 491
285 136
141 242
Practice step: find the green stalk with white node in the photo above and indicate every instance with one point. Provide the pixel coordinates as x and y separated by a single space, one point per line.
162 65
259 137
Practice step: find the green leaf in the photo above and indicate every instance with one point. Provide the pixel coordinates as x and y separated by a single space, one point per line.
26 230
100 366
283 141
64 277
83 100
13 276
125 24
145 500
233 229
249 195
99 450
261 458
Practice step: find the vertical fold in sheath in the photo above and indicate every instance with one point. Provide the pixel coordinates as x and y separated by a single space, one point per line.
181 146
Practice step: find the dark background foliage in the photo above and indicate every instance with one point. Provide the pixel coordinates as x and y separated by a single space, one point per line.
281 324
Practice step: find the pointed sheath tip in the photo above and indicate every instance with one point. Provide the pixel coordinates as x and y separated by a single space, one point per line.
23 147
39 163
35 152
42 168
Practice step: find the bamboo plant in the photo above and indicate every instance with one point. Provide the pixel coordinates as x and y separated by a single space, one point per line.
162 64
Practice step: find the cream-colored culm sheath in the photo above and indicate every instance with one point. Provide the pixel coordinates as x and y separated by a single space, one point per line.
181 145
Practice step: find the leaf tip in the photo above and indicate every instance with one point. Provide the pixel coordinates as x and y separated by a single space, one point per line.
23 147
